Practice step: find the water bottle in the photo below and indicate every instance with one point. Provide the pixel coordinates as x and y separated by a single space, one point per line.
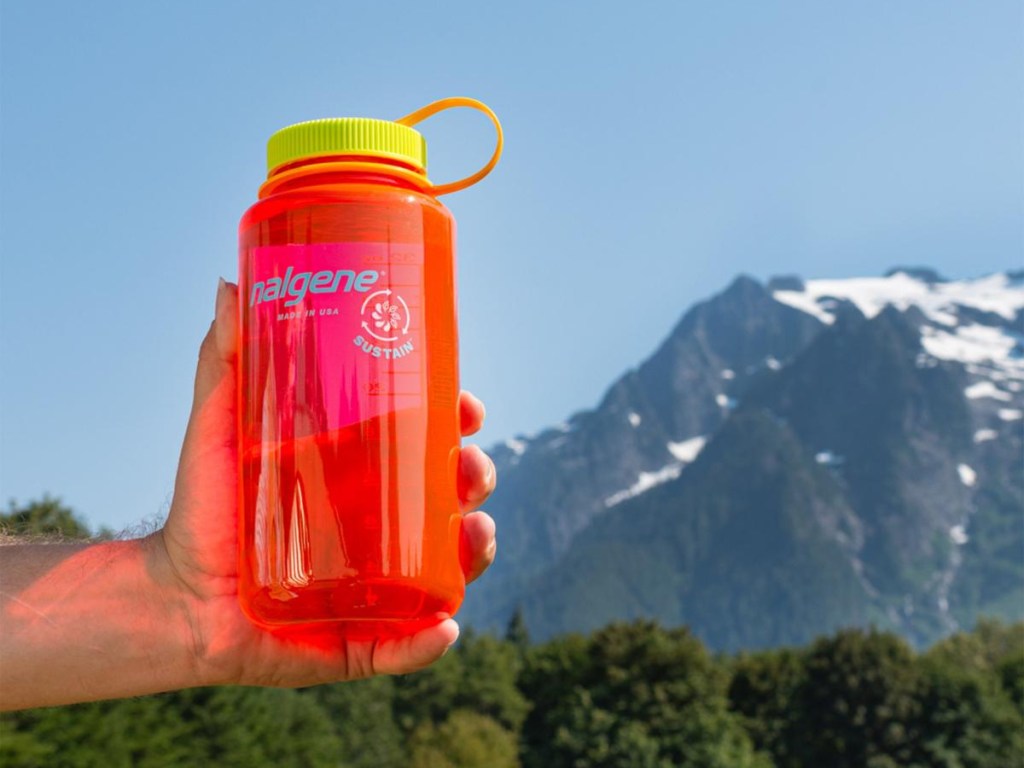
348 380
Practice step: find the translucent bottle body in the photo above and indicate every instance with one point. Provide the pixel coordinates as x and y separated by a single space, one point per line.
348 406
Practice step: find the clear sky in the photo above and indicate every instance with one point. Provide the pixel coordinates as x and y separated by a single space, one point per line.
654 151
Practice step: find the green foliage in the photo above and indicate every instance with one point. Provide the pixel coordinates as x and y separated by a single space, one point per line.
362 713
628 696
48 517
465 740
863 699
966 718
991 642
245 727
857 701
226 727
762 691
150 732
633 695
590 735
1011 676
480 675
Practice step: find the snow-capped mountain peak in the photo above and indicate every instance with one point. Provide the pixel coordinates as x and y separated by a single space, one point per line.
974 322
941 302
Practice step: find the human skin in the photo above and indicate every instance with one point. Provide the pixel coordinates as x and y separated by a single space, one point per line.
90 621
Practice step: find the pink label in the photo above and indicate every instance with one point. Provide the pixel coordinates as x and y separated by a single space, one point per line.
339 328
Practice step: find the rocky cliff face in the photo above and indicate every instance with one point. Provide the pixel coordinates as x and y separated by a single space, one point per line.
794 457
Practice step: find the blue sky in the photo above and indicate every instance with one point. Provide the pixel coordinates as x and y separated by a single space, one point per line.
654 151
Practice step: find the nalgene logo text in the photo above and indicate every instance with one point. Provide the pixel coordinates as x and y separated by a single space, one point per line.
296 286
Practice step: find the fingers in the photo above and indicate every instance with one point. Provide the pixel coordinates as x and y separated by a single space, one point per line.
476 477
471 414
478 545
211 425
409 654
476 480
476 474
226 319
217 353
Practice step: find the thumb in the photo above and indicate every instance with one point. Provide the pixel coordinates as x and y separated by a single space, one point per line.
412 653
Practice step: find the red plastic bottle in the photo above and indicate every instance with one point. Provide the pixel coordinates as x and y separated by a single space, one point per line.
348 381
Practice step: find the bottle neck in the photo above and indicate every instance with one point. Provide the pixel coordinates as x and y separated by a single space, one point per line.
332 170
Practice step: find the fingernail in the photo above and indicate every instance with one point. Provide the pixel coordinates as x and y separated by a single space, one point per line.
458 631
222 288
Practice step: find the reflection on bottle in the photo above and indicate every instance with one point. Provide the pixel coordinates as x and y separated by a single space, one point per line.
298 566
261 549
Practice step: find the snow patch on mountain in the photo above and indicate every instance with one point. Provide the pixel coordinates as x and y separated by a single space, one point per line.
983 435
828 458
634 419
975 343
987 389
958 535
518 447
687 450
967 475
645 482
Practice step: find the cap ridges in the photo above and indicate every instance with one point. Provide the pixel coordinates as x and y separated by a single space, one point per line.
347 135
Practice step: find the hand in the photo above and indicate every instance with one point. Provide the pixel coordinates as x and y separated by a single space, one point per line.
198 547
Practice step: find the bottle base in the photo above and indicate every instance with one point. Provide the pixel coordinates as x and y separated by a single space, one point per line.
363 609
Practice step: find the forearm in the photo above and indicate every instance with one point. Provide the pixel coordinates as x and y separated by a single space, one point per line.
84 622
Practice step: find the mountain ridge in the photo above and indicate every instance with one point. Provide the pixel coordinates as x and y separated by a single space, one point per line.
905 391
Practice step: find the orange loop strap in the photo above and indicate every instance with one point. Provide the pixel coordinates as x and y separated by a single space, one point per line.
458 101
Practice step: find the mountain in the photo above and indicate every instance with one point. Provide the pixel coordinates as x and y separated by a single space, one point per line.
795 457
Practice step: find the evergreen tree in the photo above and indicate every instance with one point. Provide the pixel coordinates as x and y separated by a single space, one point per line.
1010 671
516 632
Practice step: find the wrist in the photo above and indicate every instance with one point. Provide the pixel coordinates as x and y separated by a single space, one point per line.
177 605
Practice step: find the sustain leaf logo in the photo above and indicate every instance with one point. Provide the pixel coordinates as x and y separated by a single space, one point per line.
385 316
